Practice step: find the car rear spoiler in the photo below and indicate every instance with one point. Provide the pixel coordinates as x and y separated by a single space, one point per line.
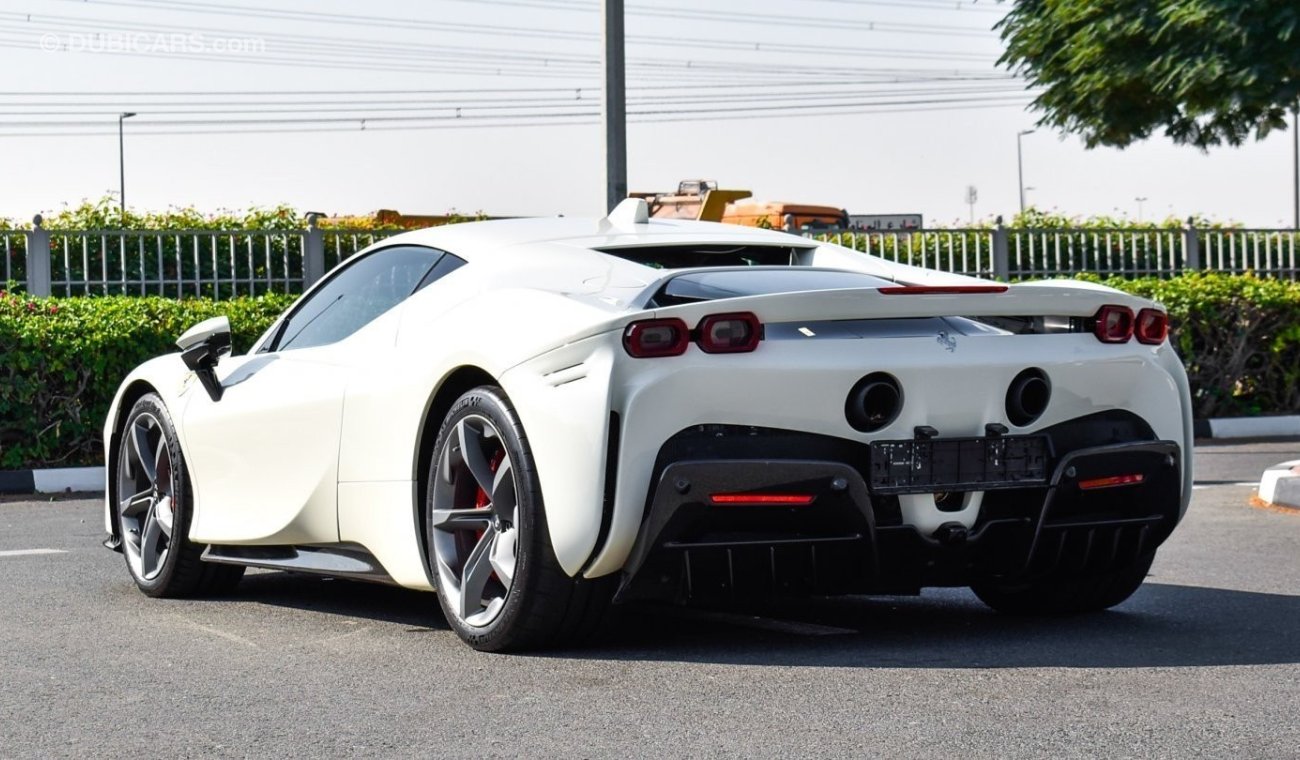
1070 299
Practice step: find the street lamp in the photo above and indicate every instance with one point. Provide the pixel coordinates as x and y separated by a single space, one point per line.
1140 199
121 162
1020 165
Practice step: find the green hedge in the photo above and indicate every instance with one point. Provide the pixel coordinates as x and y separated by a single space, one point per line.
1239 337
61 359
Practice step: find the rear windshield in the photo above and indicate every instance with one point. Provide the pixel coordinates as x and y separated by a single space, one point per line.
692 287
700 255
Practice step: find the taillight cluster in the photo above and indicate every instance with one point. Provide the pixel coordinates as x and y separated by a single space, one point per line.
1117 324
716 334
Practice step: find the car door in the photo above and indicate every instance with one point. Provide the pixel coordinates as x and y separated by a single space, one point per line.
264 459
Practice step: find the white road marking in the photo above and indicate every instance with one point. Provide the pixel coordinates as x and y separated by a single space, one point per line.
335 638
218 632
1238 484
30 552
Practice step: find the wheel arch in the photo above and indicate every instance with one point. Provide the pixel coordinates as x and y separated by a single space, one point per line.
453 385
131 393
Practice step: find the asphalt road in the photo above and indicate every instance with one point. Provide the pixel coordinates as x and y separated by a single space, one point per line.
1203 661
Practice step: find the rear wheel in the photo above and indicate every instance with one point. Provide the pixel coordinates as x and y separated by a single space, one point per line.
1067 596
153 510
499 583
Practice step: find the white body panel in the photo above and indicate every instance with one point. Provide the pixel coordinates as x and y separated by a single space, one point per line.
321 445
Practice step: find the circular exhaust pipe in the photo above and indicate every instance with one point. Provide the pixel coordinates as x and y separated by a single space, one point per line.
1028 396
874 402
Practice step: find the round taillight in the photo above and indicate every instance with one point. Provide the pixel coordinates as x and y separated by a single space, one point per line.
1151 327
1114 324
729 333
656 337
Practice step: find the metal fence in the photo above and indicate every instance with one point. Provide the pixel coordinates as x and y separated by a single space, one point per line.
177 263
227 263
1015 253
13 257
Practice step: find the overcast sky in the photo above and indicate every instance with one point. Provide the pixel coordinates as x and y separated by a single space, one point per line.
877 106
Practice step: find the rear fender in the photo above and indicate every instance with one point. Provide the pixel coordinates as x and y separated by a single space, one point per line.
563 401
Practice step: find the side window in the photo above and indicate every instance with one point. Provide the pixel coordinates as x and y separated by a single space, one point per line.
358 294
445 266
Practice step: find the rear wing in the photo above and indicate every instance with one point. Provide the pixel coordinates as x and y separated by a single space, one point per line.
1068 299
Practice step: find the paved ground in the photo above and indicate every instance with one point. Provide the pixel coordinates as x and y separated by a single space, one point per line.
1203 661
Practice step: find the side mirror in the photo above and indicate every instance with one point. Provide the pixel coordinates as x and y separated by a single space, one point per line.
202 346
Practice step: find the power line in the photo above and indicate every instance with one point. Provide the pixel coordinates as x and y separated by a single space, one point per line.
784 21
656 110
333 45
495 103
928 5
509 123
897 75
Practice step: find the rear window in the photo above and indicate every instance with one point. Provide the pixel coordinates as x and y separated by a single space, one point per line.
692 287
704 255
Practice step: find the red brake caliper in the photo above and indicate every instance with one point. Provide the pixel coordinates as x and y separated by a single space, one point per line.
481 499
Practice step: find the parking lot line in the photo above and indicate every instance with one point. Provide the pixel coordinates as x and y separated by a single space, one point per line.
29 552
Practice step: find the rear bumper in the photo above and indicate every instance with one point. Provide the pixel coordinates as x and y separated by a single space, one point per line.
851 540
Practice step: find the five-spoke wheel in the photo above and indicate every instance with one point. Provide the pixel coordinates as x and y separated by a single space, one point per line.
146 495
498 580
152 515
474 519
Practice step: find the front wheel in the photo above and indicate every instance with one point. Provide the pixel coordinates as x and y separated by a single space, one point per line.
498 581
153 509
1067 596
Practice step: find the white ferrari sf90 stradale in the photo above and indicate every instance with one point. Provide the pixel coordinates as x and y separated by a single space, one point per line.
535 418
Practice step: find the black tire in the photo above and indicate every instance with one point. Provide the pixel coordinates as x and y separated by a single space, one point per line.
1068 595
540 606
175 569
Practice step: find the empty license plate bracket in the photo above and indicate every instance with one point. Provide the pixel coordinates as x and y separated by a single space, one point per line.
958 464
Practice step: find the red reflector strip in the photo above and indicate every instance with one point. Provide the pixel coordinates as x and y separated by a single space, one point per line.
794 499
920 290
1111 482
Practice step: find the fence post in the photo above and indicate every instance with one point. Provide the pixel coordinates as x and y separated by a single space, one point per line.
313 252
1191 246
38 259
1001 261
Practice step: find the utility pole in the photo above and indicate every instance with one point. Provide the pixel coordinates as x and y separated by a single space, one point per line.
1020 165
972 195
615 110
121 164
1295 161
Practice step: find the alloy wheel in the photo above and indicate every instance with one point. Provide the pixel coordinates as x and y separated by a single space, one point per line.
146 496
474 523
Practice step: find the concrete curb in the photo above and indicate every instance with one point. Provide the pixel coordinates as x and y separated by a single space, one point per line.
1280 485
58 480
66 479
1281 426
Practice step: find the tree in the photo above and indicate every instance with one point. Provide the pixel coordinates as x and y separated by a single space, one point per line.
1115 71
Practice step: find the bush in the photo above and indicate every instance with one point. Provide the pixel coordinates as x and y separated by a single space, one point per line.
1238 335
61 360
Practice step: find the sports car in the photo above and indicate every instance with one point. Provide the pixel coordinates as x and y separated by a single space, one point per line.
537 418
